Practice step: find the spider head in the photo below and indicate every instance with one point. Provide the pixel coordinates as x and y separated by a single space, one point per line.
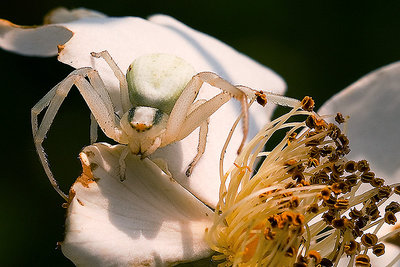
142 119
142 127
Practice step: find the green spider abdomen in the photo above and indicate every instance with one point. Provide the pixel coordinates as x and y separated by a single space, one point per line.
157 80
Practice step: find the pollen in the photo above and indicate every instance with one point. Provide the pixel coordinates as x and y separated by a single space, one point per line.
302 205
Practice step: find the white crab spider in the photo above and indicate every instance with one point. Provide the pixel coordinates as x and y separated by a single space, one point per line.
157 98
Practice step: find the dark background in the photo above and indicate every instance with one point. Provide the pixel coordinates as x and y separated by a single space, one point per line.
318 47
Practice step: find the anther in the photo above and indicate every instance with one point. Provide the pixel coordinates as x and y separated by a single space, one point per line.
390 218
338 223
326 262
397 190
369 240
339 118
313 162
313 208
292 137
378 249
310 122
362 260
352 247
393 207
313 254
363 166
362 222
367 177
269 234
372 210
261 98
350 166
334 131
384 191
291 252
341 204
351 179
307 103
377 182
354 213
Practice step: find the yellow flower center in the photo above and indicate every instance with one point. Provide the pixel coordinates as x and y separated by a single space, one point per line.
297 207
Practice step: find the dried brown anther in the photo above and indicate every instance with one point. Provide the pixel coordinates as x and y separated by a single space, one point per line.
312 162
377 182
334 131
291 252
352 247
339 118
292 137
325 193
351 179
341 204
350 166
369 240
362 221
372 211
261 98
310 122
393 207
384 191
378 249
269 234
326 262
355 214
363 165
307 103
362 260
313 208
343 140
390 218
326 150
397 190
367 177
338 223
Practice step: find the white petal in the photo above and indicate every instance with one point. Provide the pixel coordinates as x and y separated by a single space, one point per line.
148 219
373 103
63 15
129 37
32 41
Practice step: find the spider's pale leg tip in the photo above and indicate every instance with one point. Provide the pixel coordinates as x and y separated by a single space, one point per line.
94 54
189 171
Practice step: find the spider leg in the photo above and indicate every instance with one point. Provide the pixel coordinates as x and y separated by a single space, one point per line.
93 129
180 124
122 164
124 95
202 138
96 98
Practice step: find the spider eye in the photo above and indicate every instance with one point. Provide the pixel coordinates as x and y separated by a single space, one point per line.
143 118
157 80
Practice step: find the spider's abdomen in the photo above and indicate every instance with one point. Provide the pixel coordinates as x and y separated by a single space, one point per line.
157 80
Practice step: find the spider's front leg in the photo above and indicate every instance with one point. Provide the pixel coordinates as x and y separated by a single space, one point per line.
95 96
183 119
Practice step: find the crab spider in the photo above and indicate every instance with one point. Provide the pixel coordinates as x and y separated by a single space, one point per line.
157 98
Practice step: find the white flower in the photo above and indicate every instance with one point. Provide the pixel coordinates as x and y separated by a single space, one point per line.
158 216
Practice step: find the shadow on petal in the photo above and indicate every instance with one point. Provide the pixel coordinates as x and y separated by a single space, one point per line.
147 219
